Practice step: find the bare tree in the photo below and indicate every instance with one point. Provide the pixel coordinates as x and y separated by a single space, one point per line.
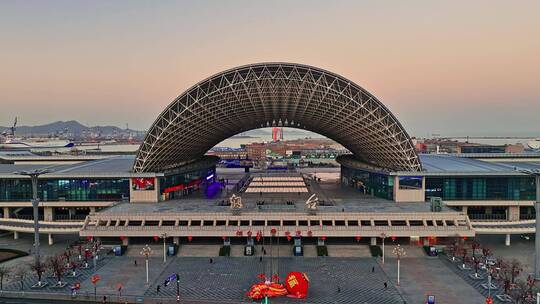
39 268
57 266
4 273
20 274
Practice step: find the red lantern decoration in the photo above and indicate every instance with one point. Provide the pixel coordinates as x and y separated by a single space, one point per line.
309 233
249 233
297 284
122 237
224 238
323 238
298 233
289 237
259 235
239 233
287 233
358 238
393 238
190 238
464 238
156 238
89 238
273 231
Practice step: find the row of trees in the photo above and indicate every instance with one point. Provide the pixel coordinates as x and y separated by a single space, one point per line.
505 272
57 265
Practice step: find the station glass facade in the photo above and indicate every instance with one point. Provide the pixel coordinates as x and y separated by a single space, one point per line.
481 188
376 184
66 189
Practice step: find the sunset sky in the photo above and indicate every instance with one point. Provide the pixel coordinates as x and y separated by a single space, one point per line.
452 67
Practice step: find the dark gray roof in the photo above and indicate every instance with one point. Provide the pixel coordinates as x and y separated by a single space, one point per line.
116 166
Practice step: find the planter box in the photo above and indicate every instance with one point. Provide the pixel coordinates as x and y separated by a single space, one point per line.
492 287
58 286
504 298
36 286
474 277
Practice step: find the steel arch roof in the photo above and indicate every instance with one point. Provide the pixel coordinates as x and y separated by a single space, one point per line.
275 94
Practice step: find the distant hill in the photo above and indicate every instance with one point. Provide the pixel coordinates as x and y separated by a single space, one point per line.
63 127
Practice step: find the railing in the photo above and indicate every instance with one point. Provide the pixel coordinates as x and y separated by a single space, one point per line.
73 217
487 216
527 216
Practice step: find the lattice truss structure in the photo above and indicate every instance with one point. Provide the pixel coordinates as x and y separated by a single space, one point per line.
276 94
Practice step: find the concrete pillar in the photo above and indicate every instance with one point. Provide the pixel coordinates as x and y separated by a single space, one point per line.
125 241
507 241
373 241
464 209
71 212
92 209
6 212
15 235
176 240
48 214
51 241
513 213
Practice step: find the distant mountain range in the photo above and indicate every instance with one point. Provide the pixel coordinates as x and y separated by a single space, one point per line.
63 127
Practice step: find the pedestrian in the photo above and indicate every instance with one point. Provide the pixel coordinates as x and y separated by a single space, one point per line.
135 263
158 288
373 269
338 289
104 299
211 261
264 251
385 285
260 259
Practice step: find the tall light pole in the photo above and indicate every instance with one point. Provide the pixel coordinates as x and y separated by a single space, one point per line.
383 236
398 251
34 175
146 252
164 236
536 174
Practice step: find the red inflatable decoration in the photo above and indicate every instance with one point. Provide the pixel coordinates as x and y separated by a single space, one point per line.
358 238
156 238
296 286
190 238
273 231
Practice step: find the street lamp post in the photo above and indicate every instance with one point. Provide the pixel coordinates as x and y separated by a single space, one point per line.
146 252
34 175
383 236
398 251
164 236
536 174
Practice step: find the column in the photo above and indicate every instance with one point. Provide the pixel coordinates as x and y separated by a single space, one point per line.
6 212
51 241
373 241
176 240
48 214
513 213
125 241
464 209
507 241
15 235
92 209
71 212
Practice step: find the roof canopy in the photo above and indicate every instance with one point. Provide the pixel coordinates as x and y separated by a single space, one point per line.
275 94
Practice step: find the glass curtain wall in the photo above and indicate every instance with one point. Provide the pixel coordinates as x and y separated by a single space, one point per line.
483 188
65 189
